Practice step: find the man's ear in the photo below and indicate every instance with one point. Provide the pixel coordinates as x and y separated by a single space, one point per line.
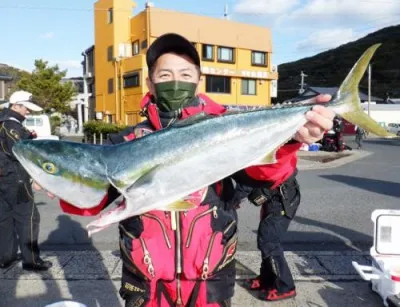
150 86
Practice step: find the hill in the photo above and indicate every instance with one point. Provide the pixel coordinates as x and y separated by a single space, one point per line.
329 68
13 72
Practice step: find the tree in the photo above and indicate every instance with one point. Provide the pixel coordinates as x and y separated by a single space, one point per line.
46 86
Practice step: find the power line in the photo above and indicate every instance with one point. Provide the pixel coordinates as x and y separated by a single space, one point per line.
115 9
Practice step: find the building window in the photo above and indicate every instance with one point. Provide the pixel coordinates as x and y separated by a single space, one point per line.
249 87
110 15
225 54
110 86
218 84
110 53
144 44
258 58
131 80
135 48
208 52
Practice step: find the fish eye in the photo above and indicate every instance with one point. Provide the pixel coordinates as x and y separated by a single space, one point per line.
49 167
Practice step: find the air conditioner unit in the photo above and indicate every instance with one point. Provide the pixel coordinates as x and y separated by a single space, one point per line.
274 68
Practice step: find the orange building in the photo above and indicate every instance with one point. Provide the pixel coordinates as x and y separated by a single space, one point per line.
236 57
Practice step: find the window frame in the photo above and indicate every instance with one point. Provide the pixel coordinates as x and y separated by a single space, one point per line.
110 53
138 47
226 61
248 93
203 56
110 86
131 74
265 64
110 15
216 92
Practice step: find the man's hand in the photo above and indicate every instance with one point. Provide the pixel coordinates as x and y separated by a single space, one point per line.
37 187
320 119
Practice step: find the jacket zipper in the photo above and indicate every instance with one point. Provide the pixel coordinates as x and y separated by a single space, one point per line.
215 214
162 227
147 258
178 260
131 265
206 268
206 263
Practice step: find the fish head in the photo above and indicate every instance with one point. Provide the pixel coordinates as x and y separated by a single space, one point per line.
71 171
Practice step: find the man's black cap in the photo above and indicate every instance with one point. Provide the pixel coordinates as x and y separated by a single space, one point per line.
171 42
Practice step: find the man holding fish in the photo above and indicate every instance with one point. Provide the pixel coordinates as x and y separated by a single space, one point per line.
179 173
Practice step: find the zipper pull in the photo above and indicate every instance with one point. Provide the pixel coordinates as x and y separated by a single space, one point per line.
150 269
215 214
147 259
204 274
148 262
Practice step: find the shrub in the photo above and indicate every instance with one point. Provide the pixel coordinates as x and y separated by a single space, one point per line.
98 127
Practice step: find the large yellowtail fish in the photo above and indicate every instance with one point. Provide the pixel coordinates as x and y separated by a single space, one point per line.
160 170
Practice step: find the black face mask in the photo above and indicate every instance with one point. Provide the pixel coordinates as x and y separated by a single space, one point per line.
174 95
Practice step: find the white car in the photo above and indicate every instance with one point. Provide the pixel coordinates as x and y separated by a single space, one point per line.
41 125
394 128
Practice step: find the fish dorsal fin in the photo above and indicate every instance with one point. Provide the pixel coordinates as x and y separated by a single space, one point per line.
193 119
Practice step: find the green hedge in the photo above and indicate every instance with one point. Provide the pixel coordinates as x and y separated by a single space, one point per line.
97 127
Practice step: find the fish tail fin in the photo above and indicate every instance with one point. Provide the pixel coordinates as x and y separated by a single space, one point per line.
351 109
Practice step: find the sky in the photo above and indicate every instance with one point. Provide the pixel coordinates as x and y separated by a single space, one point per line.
58 31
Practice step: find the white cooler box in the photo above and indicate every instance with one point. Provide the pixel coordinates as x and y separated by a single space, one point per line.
384 273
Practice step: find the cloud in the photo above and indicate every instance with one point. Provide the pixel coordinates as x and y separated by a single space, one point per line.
66 64
47 35
264 7
326 39
343 12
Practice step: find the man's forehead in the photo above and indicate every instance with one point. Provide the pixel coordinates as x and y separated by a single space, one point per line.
174 61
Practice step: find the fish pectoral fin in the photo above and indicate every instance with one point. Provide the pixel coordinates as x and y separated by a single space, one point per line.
270 158
180 205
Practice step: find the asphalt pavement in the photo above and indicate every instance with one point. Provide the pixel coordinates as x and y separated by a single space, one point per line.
332 228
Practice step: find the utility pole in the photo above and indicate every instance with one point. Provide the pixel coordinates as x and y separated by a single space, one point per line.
302 75
369 87
226 14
